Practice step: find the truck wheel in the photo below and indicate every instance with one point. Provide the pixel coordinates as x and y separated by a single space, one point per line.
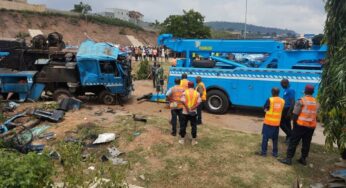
107 98
217 102
61 94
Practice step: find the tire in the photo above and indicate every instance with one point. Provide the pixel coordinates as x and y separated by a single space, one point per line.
107 98
203 64
61 94
217 102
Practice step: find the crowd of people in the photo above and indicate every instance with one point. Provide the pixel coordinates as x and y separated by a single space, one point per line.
150 53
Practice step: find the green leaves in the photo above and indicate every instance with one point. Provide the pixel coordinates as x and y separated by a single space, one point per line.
24 170
332 91
188 25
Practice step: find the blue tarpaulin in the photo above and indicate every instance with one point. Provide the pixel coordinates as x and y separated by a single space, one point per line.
3 54
98 51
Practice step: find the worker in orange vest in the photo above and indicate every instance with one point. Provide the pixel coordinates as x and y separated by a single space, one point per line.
203 93
271 123
174 95
304 124
184 81
191 99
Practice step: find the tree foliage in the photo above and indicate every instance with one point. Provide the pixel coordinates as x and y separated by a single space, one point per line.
82 8
332 92
188 25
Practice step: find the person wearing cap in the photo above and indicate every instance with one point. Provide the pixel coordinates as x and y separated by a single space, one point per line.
184 81
190 99
289 97
273 109
203 93
305 121
174 95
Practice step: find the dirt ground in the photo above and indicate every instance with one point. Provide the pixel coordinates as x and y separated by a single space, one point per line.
74 31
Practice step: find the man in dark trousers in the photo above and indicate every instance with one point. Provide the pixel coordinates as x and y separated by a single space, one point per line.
273 108
191 100
289 97
153 73
305 121
174 95
203 93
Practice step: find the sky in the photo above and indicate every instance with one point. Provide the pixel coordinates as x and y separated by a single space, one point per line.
302 16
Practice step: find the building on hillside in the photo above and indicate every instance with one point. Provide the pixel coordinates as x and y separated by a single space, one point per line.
123 14
21 5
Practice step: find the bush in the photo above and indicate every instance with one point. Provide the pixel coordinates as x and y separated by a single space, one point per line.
22 35
122 31
144 70
19 170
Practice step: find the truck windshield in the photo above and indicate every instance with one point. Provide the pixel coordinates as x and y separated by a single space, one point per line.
109 67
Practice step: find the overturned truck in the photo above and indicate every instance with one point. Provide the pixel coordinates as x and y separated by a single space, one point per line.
98 69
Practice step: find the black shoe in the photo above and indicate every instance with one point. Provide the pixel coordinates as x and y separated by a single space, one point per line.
286 161
173 134
275 155
259 153
302 161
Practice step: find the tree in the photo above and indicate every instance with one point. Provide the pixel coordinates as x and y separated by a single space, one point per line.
332 91
82 8
188 25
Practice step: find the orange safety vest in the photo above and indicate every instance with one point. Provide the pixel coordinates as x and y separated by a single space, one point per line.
308 115
184 83
191 98
204 94
177 92
273 115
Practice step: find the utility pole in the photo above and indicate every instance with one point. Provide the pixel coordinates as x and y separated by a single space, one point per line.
245 19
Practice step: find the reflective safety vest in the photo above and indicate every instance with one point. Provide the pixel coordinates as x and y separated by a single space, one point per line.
273 115
177 92
191 98
184 83
308 115
204 94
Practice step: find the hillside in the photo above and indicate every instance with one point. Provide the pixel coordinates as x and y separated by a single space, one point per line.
74 29
234 26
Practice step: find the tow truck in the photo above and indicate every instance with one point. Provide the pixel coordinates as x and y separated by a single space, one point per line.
242 72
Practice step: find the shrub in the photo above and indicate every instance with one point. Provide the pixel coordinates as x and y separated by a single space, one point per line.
22 35
144 70
19 170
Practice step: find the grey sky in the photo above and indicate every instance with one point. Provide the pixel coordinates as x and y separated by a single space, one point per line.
302 16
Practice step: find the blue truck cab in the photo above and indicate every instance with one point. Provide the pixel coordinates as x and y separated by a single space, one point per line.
243 72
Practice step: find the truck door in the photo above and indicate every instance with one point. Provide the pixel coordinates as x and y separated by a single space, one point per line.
112 76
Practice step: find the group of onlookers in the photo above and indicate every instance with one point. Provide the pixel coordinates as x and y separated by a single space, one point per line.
150 53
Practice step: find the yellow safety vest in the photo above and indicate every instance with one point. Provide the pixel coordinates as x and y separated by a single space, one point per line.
273 115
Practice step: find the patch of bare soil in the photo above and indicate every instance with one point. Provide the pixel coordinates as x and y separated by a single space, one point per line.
74 31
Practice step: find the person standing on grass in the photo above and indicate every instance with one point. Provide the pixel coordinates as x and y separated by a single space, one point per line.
289 97
203 93
304 124
159 78
174 95
273 109
153 73
190 99
184 81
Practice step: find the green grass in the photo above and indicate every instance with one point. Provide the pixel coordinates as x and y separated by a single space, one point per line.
225 158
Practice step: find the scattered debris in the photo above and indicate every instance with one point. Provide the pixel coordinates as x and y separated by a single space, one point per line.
110 110
98 113
47 136
70 103
339 174
55 155
142 177
54 116
10 106
317 185
341 164
311 165
137 133
113 156
91 168
9 123
71 139
99 181
104 138
139 118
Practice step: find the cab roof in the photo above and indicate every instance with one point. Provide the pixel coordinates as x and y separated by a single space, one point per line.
97 51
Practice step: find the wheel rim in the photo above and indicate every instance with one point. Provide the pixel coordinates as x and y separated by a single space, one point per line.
215 102
108 99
